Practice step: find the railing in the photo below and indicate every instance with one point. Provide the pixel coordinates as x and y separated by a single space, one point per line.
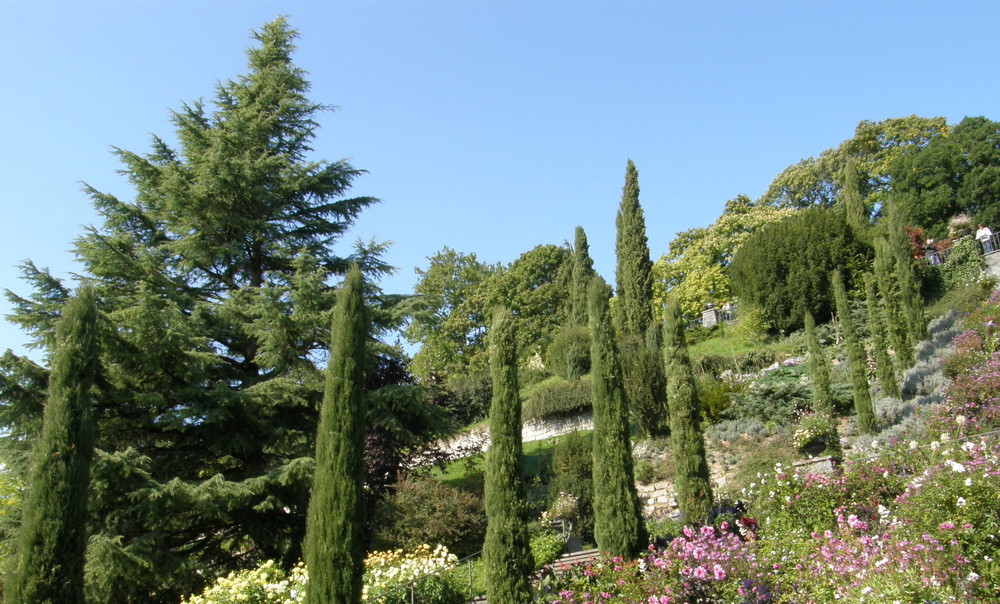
990 246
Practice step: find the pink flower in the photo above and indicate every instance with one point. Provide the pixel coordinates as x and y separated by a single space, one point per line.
946 526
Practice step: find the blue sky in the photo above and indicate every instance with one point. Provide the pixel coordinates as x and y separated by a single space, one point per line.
487 126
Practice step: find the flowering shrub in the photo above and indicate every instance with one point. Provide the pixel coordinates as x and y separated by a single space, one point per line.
386 578
266 584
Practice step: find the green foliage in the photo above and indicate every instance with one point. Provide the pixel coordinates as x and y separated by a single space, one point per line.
951 174
52 537
423 510
266 584
905 274
569 352
467 396
694 490
696 269
856 360
572 474
535 287
892 306
334 542
618 527
819 371
777 397
557 396
444 319
218 276
964 264
506 552
633 269
884 367
583 270
716 396
783 268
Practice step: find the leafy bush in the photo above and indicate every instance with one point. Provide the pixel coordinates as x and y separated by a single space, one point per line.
964 265
776 397
784 268
422 510
556 396
572 473
266 584
468 397
390 576
715 397
569 352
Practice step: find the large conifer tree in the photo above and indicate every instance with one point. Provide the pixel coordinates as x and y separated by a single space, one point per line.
641 366
819 374
218 279
894 317
856 361
506 552
53 531
618 527
694 488
334 550
906 274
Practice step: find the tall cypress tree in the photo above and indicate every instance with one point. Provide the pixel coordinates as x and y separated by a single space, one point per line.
852 203
884 368
634 269
53 533
506 551
583 270
906 274
334 546
856 364
694 488
641 367
819 373
334 551
618 526
892 308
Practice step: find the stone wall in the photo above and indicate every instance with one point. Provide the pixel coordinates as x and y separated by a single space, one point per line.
550 427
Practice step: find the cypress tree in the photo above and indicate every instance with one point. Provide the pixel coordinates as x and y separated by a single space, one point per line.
642 368
876 325
334 552
618 526
694 488
819 370
853 204
506 550
634 269
819 373
906 275
855 359
583 270
53 536
894 318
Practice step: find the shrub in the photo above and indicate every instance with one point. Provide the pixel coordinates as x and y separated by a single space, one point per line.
572 473
389 576
266 584
468 396
557 396
422 510
715 396
569 352
776 397
964 265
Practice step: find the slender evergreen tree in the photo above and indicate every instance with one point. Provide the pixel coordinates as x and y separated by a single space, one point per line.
618 526
894 318
641 367
906 275
884 368
583 270
856 364
334 551
53 534
819 373
633 270
819 370
694 488
506 550
852 203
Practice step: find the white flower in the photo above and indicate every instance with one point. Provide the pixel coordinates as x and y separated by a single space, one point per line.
960 420
968 482
913 444
956 467
935 446
945 437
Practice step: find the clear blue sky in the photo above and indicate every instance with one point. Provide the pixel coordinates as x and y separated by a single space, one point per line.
487 126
